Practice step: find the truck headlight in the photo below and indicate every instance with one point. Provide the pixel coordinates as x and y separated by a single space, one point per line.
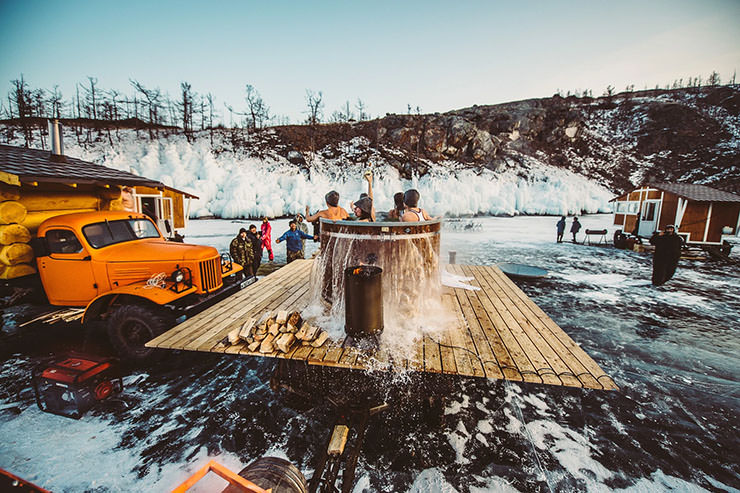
178 276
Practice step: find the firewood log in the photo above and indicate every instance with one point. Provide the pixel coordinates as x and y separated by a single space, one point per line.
282 317
320 339
247 329
273 328
292 328
233 336
267 345
285 342
264 318
253 346
295 319
307 332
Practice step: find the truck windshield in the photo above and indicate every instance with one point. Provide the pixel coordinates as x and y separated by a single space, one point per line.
107 233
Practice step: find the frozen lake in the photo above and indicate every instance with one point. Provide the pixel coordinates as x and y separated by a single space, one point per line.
673 426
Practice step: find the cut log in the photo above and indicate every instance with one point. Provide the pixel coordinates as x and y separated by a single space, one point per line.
267 345
285 342
282 317
273 328
34 219
338 440
291 328
17 253
9 192
59 201
307 332
12 212
259 335
14 233
247 329
295 319
15 271
320 339
253 346
262 323
233 336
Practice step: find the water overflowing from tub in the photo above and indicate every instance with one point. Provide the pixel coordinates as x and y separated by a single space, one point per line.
408 253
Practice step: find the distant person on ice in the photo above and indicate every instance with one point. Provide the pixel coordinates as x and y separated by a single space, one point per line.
413 212
575 228
667 252
242 253
266 230
561 229
255 238
292 239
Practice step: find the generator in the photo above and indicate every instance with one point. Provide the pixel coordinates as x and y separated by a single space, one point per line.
72 384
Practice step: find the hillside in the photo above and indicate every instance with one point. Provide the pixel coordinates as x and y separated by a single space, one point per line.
540 156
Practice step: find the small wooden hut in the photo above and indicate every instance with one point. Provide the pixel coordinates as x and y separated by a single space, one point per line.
36 185
701 214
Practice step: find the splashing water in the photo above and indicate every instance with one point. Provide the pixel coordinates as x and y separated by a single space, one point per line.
408 253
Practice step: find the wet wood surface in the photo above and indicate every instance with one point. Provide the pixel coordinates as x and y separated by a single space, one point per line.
496 332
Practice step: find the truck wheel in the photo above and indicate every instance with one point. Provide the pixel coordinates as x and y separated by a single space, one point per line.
132 326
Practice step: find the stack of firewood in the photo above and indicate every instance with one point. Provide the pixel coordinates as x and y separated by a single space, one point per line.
280 331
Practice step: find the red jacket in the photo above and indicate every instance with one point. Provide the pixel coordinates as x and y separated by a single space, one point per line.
266 229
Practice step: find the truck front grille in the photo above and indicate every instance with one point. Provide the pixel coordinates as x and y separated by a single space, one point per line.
210 274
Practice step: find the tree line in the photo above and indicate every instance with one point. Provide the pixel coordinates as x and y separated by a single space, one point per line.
153 110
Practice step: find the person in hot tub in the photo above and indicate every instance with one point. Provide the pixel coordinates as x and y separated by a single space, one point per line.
413 212
363 208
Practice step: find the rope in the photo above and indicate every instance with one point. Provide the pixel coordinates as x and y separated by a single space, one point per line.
156 281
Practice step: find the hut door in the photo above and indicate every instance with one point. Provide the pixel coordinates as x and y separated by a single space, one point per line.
649 217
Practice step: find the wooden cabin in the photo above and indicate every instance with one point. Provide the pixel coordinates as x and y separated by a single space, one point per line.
701 214
36 185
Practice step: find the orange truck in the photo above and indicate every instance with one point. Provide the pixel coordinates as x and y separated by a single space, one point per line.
127 276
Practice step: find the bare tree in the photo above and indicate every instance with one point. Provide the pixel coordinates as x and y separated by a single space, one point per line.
23 100
185 108
91 96
153 103
713 79
56 102
360 107
315 104
258 111
732 79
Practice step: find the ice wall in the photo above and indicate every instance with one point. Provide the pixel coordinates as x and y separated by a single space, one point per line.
231 185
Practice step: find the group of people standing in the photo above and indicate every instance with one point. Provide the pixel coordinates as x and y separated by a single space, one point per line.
574 229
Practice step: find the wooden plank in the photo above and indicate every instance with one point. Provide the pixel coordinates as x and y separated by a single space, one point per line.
432 359
463 357
545 371
574 349
565 370
481 328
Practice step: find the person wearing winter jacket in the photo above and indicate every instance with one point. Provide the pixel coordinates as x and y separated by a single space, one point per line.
667 253
575 228
255 238
241 252
561 229
292 239
266 229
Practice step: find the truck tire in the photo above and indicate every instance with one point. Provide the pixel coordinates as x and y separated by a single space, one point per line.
132 326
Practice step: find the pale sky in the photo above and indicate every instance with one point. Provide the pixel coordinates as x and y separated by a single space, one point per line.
436 55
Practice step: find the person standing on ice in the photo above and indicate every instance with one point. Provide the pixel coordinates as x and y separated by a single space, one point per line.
241 252
292 239
561 229
302 226
413 212
667 253
266 230
575 228
255 238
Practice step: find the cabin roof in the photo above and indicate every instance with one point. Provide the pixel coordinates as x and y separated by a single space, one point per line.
37 165
690 191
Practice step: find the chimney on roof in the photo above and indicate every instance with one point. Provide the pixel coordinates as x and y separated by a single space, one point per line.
57 143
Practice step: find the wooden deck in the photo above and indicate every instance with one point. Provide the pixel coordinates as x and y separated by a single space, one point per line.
500 333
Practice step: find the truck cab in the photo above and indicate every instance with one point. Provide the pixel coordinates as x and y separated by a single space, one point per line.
120 267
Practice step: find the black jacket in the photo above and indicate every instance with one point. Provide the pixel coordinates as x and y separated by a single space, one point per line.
667 247
256 244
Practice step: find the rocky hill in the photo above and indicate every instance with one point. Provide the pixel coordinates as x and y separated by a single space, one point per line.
683 135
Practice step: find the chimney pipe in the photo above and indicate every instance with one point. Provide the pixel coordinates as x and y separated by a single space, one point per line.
57 143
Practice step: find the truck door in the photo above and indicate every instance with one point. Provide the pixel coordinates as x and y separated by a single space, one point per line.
67 273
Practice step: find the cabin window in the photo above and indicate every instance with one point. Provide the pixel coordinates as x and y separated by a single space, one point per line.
62 241
107 233
627 207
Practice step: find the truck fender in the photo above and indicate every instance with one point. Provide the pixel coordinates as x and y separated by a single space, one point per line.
132 294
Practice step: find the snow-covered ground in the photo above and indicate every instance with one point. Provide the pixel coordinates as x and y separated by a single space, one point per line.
672 426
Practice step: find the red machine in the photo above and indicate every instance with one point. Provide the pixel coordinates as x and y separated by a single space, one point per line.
73 384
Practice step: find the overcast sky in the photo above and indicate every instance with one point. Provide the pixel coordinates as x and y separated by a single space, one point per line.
435 55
